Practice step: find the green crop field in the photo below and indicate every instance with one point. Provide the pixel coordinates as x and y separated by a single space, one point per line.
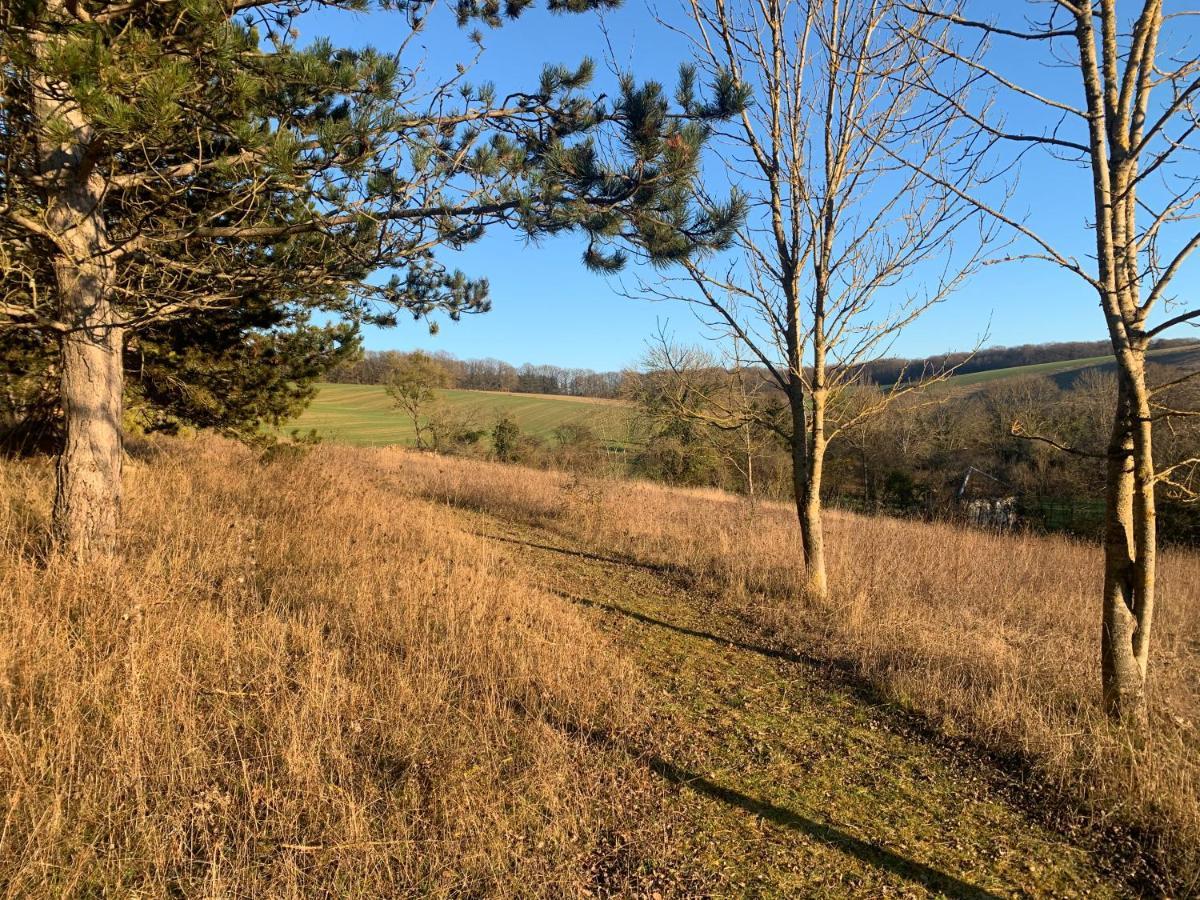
363 414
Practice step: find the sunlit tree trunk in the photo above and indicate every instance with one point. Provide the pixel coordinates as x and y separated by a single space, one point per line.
87 499
1129 550
1130 534
812 510
807 457
1138 103
88 485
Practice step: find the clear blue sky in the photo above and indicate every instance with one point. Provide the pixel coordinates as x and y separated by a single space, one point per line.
546 308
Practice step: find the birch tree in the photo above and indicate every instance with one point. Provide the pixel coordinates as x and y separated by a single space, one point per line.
843 247
1125 112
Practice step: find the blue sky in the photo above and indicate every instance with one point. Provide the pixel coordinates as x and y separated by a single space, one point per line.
546 308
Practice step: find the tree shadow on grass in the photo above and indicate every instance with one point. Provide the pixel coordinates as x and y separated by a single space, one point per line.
656 568
771 652
1014 773
837 674
872 854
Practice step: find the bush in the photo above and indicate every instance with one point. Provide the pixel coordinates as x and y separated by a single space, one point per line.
506 440
578 449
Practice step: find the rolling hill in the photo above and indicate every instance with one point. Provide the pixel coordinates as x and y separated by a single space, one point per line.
1066 371
363 414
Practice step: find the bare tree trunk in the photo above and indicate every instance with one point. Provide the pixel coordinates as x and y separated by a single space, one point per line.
1137 99
831 230
1129 551
1145 525
1121 680
806 490
812 514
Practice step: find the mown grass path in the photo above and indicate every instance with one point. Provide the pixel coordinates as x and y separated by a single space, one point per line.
786 781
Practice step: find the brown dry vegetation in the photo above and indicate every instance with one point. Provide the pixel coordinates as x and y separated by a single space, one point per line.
300 682
293 685
991 637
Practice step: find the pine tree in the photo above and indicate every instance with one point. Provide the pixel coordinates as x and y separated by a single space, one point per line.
232 371
173 161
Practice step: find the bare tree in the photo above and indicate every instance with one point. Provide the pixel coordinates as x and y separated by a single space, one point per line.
1128 117
839 233
723 403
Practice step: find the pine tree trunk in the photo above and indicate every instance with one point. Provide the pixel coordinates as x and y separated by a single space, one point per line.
87 501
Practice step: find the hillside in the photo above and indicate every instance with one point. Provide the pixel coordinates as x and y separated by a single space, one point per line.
363 415
985 639
378 673
1065 372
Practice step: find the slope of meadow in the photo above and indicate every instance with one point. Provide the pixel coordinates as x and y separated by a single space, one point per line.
382 673
298 683
1069 370
991 639
364 415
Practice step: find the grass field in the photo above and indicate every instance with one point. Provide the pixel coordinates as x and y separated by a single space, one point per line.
1072 367
362 672
988 638
363 415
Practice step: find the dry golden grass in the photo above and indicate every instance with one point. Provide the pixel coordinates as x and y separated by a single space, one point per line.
299 682
992 637
295 684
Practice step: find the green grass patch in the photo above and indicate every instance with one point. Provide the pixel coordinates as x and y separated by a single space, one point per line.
363 414
1184 356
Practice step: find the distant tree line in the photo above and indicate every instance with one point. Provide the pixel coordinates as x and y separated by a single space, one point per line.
376 366
490 374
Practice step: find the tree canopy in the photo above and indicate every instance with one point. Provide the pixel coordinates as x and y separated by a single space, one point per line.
171 161
230 161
